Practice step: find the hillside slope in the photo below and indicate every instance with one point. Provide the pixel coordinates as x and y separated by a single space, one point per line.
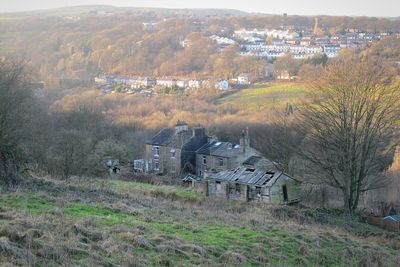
111 223
267 96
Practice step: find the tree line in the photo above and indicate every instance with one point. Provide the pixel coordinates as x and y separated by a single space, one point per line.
34 139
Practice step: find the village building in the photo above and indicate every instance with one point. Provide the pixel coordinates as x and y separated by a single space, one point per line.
185 43
331 50
180 149
172 150
222 41
195 83
254 179
140 82
294 41
102 80
217 169
166 82
149 26
243 79
222 85
182 83
216 156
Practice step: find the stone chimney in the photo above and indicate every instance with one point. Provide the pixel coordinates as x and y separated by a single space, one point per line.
211 139
245 140
181 127
199 132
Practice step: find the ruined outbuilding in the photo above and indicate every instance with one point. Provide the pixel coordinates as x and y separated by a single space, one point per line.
254 184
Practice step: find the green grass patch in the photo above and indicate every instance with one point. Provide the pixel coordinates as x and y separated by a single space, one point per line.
27 203
104 216
266 95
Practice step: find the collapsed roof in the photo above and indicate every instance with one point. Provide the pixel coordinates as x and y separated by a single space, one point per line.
249 176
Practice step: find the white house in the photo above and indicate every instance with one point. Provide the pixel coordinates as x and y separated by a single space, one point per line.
182 83
331 50
100 80
144 82
186 43
223 41
222 85
243 79
314 49
166 82
195 83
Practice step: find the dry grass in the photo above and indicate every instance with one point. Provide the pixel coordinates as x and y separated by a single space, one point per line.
93 223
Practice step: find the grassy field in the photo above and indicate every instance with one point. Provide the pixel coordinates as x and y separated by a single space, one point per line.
99 222
266 96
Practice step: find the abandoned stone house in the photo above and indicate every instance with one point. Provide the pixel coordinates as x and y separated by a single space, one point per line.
254 184
256 179
172 150
216 156
219 169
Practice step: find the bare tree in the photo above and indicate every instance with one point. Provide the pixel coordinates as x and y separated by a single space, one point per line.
279 140
14 96
351 125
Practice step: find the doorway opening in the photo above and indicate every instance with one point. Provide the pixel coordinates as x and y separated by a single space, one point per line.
285 195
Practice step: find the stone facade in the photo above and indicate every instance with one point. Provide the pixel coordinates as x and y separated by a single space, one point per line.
164 159
216 156
171 151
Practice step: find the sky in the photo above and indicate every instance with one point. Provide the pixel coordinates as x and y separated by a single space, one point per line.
379 8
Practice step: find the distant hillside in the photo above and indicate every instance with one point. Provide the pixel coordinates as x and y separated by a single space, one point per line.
70 46
80 10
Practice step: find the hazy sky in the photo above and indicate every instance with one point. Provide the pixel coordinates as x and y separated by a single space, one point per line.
382 8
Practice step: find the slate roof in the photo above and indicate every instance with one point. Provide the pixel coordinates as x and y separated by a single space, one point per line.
252 160
181 138
249 176
219 149
167 137
163 137
260 162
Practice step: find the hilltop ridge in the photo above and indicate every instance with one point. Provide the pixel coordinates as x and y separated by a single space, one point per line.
76 10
